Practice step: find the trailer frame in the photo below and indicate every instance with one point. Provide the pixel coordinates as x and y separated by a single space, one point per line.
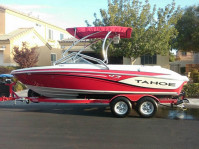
120 104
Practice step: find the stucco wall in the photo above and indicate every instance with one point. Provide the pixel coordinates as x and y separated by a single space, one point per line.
2 22
17 21
162 61
44 56
6 54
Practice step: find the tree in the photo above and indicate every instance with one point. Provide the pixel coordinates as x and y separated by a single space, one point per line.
25 57
153 30
172 57
188 28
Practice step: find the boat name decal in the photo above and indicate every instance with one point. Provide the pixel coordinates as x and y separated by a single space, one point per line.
156 83
152 82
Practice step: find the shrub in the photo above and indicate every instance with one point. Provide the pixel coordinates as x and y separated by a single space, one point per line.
25 57
191 90
195 76
6 70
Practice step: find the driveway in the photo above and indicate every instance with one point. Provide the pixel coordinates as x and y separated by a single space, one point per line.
61 126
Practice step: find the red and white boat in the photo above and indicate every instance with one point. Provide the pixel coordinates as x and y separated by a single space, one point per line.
95 81
77 74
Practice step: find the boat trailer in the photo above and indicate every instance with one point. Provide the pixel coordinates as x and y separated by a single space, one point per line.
146 105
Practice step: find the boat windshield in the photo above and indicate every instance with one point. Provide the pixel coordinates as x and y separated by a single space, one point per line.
78 58
73 58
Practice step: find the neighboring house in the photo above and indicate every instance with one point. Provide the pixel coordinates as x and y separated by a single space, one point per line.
66 43
182 59
155 60
190 57
16 27
184 56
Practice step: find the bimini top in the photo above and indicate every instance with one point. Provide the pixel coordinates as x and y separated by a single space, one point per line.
80 32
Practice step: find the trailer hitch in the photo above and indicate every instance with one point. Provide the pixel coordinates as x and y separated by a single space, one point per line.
181 100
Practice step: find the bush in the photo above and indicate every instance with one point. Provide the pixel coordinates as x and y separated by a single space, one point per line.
26 56
192 90
6 70
195 76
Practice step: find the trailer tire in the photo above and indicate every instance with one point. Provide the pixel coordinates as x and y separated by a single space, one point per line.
120 107
146 107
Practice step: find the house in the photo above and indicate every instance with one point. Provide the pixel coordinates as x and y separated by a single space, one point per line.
183 59
17 27
66 43
147 59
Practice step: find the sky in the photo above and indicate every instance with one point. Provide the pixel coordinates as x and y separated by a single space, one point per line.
73 13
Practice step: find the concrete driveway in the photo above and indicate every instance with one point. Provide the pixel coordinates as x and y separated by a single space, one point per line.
63 126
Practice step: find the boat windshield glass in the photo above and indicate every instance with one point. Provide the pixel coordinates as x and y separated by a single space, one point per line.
76 60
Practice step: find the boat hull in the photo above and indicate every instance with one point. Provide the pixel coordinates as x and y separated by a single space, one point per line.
67 82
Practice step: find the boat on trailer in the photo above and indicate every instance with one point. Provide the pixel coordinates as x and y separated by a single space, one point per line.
81 76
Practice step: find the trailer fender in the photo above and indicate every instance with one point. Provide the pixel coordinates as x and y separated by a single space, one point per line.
136 97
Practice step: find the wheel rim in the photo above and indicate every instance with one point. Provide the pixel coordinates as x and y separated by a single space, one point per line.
147 108
121 108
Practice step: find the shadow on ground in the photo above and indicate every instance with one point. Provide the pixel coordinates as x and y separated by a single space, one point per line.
96 110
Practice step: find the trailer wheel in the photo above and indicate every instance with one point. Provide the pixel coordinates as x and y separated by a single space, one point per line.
120 107
146 107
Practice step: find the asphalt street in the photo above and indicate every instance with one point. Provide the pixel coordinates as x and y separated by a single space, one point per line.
70 126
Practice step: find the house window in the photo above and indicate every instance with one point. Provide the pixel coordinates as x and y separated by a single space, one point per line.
148 59
61 36
184 53
53 57
39 25
50 34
